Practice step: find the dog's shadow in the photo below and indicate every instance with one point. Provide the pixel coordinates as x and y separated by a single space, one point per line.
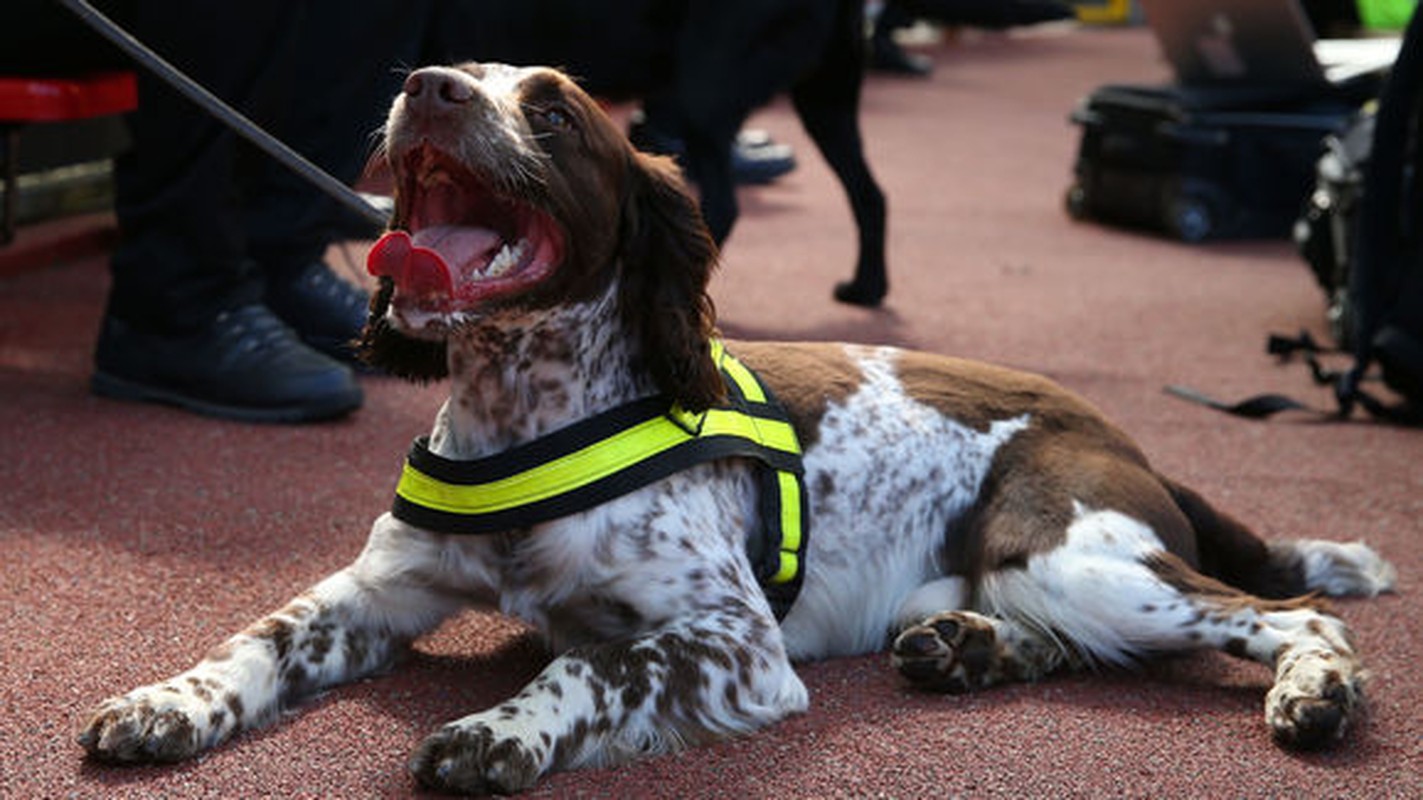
482 659
474 662
1198 693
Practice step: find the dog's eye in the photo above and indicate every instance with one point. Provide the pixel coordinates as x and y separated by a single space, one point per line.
554 117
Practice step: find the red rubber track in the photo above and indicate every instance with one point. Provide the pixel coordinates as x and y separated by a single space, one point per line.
135 537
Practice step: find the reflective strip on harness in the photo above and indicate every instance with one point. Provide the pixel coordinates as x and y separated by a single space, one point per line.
619 451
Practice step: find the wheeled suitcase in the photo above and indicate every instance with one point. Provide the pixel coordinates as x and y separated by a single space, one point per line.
1200 163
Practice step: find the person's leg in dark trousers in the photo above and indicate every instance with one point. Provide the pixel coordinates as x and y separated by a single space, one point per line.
341 79
185 323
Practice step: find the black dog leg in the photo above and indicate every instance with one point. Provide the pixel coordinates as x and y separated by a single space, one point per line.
828 104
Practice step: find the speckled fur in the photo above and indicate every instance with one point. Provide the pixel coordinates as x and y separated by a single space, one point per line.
985 525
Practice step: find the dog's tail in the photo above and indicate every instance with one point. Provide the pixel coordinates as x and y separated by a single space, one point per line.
1229 551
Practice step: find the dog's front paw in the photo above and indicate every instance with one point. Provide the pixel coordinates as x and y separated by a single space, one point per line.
954 652
143 726
473 759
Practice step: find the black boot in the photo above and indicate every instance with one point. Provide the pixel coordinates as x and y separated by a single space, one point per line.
244 365
324 310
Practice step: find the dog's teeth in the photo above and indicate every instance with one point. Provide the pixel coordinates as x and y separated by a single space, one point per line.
507 258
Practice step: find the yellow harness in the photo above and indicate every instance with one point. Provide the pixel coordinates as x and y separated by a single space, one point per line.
616 452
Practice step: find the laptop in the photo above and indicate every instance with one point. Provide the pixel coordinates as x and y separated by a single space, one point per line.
1259 42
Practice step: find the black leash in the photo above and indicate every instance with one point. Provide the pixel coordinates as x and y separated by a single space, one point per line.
225 113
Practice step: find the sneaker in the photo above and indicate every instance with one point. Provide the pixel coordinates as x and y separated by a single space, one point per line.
758 159
324 310
755 158
246 365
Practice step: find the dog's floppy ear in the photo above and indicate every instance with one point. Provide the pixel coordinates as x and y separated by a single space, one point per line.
667 256
391 351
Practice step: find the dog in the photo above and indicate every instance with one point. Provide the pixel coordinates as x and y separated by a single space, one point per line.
984 525
708 66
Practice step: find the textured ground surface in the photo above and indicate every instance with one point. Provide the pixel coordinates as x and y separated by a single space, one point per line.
136 537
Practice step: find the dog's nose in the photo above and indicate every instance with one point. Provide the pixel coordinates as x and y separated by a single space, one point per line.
439 85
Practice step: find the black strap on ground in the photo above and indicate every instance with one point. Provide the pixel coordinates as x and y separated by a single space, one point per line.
223 112
1258 407
1267 405
1346 384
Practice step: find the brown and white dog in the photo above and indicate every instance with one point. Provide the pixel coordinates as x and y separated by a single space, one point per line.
984 524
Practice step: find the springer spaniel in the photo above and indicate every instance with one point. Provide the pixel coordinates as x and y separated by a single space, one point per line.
985 525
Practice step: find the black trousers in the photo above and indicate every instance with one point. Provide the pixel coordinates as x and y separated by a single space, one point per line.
204 218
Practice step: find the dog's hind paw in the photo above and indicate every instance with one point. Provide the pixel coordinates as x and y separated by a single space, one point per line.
955 652
1315 698
1342 569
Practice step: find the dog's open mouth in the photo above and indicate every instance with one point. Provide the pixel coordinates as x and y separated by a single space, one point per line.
457 241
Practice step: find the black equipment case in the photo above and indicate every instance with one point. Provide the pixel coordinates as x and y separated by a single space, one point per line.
1200 162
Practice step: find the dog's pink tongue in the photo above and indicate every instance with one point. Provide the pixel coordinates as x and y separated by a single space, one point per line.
416 270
